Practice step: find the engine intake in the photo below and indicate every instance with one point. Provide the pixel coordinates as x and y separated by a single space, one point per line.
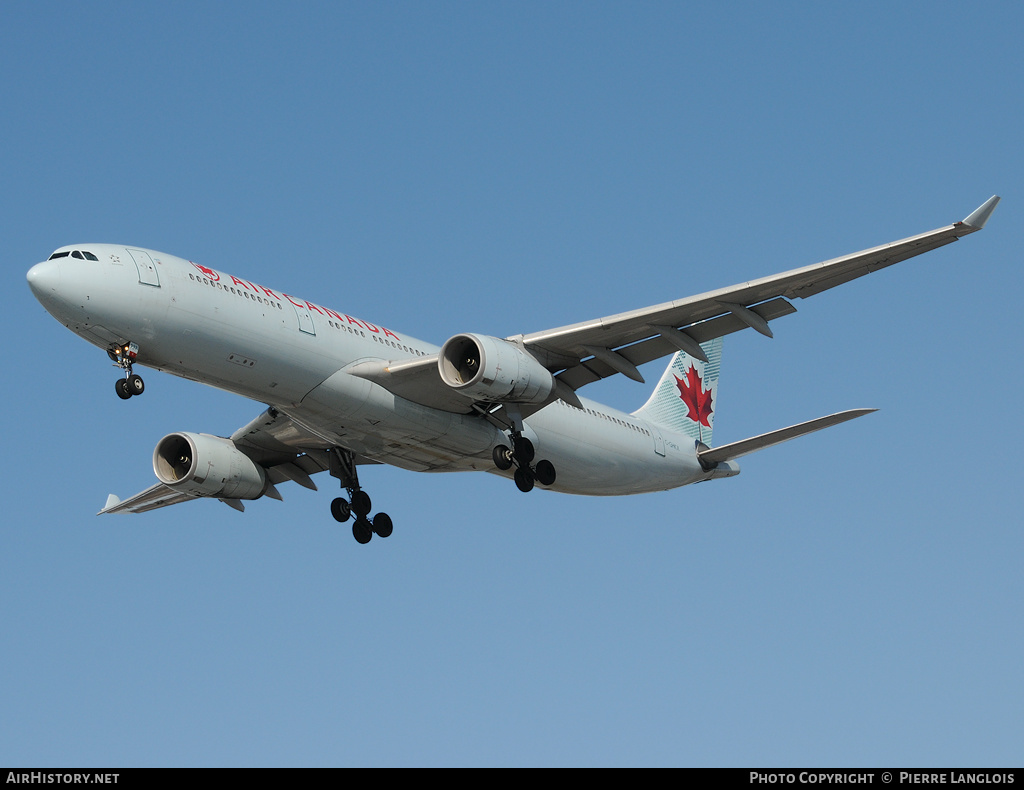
487 368
204 465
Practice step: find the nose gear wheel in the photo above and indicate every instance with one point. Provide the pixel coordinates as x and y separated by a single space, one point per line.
123 357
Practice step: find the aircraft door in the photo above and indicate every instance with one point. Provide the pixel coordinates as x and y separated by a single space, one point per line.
146 267
659 443
305 319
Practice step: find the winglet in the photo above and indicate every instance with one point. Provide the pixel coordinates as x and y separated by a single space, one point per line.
112 500
981 214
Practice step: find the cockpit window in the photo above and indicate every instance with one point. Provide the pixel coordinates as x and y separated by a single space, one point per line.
82 256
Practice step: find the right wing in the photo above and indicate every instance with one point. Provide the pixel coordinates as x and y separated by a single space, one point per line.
286 451
150 499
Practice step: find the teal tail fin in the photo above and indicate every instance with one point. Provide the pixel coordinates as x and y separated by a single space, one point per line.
686 398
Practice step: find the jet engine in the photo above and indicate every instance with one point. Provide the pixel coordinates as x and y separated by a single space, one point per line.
204 465
490 369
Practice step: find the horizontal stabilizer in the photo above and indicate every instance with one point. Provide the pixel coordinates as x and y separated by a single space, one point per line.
708 458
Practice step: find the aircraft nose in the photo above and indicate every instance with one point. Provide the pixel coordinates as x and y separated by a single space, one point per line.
43 278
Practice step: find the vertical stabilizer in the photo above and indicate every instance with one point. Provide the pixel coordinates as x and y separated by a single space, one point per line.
686 398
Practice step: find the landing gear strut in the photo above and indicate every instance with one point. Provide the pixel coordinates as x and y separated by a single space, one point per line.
343 466
123 357
521 454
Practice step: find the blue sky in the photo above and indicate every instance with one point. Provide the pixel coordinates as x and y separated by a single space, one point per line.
852 598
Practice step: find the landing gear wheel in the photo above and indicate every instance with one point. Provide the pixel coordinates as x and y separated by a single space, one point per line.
382 525
361 504
121 387
502 457
524 479
342 464
341 509
523 451
135 384
545 473
362 531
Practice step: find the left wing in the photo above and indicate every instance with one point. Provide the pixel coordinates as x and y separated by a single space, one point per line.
619 343
592 350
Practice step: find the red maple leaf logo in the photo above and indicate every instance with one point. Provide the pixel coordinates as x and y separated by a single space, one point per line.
696 398
210 273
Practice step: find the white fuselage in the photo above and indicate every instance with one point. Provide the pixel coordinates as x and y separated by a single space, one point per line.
291 353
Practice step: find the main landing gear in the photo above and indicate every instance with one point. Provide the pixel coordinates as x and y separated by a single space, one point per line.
123 357
343 466
521 454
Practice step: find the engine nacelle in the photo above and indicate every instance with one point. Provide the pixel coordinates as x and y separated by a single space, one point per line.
490 369
204 465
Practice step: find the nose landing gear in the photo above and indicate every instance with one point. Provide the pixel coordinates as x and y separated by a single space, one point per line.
132 385
123 357
343 466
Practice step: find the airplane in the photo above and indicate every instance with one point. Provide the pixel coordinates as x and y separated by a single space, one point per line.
342 392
